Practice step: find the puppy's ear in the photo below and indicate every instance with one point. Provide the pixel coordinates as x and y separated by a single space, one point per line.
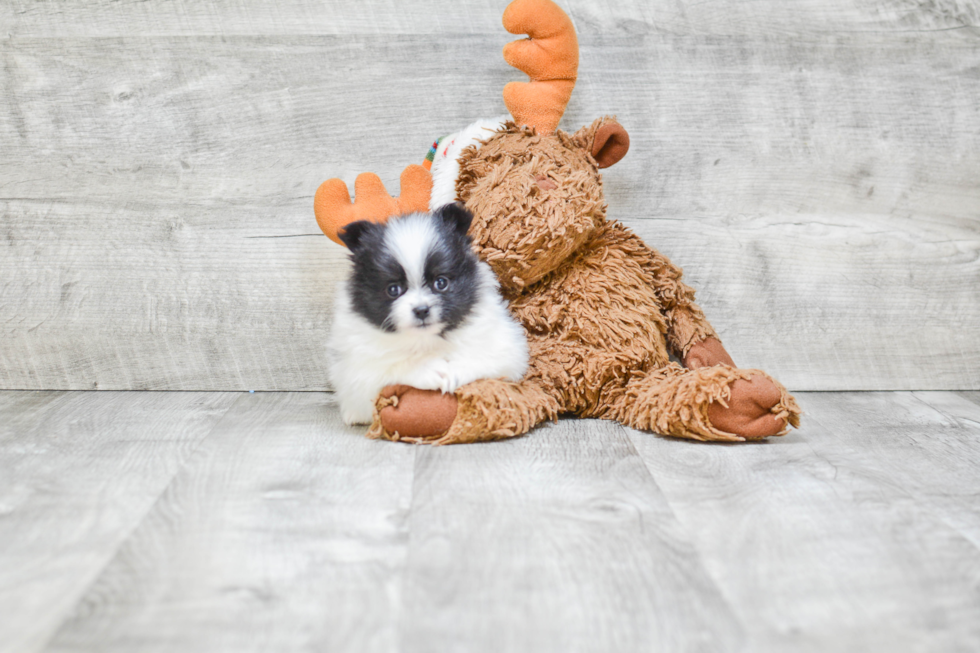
456 216
352 234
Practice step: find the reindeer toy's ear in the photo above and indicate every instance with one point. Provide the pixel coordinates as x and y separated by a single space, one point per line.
605 139
334 210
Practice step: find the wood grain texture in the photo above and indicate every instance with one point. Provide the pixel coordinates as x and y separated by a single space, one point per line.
287 531
78 472
184 522
772 18
165 299
554 542
810 165
236 17
938 462
841 535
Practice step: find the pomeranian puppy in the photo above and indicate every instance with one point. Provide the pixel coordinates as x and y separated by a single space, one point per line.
419 309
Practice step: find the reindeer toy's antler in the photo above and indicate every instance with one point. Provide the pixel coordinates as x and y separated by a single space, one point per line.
334 210
549 57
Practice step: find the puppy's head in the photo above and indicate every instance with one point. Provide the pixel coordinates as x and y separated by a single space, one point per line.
415 273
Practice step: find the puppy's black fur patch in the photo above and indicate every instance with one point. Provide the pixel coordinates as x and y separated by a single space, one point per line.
454 259
374 270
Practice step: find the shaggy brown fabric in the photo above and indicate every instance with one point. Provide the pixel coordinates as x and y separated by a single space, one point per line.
523 230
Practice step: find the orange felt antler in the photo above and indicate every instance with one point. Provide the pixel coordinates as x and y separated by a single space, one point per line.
334 210
549 57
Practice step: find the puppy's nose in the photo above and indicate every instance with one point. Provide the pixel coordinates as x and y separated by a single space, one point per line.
421 312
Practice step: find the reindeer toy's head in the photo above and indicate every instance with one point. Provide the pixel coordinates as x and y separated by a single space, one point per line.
536 197
534 190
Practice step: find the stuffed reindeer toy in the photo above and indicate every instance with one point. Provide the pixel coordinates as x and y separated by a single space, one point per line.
600 308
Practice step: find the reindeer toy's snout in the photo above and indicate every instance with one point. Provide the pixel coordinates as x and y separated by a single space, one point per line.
601 309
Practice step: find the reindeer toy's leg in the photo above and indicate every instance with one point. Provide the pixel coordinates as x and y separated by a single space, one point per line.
710 403
711 399
483 410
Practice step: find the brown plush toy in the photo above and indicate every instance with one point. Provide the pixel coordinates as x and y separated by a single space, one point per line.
601 309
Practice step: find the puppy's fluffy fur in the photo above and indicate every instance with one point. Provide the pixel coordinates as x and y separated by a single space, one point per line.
418 309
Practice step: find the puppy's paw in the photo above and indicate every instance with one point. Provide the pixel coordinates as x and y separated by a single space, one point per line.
436 375
432 376
449 381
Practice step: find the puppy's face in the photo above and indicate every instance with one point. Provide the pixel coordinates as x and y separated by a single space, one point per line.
416 273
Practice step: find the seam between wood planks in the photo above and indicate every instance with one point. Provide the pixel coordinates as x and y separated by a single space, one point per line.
194 449
732 607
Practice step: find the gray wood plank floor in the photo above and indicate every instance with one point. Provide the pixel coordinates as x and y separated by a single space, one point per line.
154 521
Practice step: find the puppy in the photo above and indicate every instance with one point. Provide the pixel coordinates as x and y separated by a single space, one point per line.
419 309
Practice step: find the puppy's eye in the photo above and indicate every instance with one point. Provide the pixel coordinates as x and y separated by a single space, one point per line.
393 290
441 284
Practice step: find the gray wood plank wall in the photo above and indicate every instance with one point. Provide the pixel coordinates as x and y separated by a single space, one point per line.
812 165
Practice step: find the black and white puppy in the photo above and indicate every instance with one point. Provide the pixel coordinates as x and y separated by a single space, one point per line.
419 309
